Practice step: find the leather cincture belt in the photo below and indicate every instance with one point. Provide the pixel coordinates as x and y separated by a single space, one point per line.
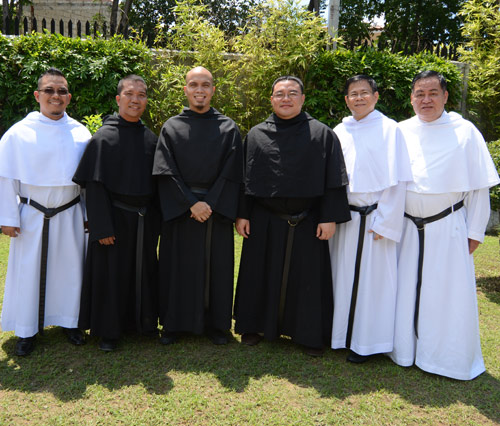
293 221
48 214
139 248
420 223
208 248
363 212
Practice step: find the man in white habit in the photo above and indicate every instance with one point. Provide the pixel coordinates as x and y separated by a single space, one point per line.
446 213
38 158
363 251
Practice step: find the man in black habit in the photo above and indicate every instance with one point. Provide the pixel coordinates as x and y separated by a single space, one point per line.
295 193
199 166
119 290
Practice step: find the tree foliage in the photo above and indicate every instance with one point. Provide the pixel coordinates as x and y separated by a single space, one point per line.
411 26
392 72
482 51
92 67
157 17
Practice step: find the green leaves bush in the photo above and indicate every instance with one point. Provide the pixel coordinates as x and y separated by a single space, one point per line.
92 67
280 38
494 148
392 72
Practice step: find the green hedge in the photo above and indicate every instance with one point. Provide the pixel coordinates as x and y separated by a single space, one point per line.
494 148
392 72
92 67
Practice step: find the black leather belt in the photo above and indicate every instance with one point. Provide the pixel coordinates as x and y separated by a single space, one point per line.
363 211
48 214
139 248
293 221
420 223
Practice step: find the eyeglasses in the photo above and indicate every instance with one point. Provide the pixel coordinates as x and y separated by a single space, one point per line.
355 95
281 95
62 91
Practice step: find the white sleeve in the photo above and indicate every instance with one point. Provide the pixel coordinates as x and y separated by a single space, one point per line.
388 218
9 207
477 204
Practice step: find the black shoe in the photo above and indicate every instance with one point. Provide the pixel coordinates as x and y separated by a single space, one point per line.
108 345
251 339
314 352
356 358
168 337
218 337
25 345
75 336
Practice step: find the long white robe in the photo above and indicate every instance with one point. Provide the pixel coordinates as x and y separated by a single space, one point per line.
38 157
448 325
378 167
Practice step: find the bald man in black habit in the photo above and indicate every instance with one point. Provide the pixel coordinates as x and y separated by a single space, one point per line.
295 193
199 166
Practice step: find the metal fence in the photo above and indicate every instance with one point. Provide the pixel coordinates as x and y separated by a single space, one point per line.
16 26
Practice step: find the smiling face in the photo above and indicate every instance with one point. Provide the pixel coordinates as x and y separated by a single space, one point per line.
361 99
132 100
287 99
199 89
428 99
53 96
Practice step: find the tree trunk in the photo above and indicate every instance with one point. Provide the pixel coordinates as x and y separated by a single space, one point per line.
122 28
114 17
314 6
5 12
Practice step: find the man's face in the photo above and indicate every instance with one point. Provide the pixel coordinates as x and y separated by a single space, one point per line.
360 99
132 100
428 99
53 96
287 100
199 90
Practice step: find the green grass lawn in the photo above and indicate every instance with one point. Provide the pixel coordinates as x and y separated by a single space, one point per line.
196 383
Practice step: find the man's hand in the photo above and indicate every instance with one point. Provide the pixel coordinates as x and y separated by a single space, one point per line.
243 227
375 235
108 241
473 245
325 231
11 231
201 211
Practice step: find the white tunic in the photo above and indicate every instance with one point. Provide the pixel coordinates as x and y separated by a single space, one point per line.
448 325
38 157
378 167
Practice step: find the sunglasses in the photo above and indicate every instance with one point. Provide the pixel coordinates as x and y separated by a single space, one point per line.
62 91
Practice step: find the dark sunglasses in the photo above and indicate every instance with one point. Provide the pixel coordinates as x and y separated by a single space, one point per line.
62 91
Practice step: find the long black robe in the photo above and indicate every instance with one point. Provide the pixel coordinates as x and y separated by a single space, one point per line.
198 157
292 166
116 166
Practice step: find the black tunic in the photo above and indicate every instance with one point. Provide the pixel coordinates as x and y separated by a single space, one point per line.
116 166
292 166
199 157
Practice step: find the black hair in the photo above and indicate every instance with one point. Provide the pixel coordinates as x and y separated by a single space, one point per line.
429 74
131 77
360 77
50 71
289 78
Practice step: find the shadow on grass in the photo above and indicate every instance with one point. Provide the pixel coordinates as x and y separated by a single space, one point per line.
67 371
490 286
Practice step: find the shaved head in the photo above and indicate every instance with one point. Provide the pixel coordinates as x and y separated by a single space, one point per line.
199 71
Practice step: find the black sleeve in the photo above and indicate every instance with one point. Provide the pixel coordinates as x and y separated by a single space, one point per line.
334 206
99 211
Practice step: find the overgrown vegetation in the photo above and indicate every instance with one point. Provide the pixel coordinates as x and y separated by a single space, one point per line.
280 37
93 68
482 51
494 148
